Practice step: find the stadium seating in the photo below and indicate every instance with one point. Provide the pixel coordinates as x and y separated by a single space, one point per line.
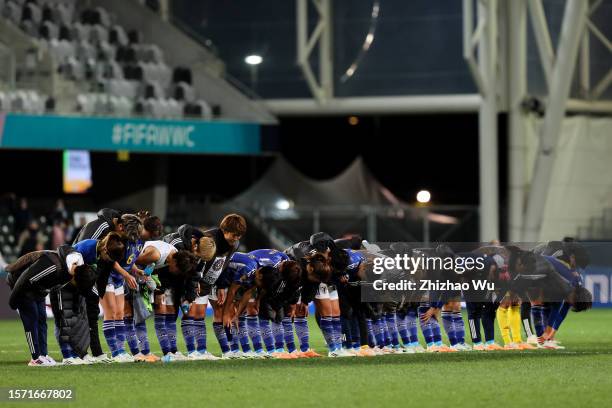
90 48
23 101
8 241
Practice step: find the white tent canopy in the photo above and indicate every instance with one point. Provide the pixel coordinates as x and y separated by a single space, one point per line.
354 186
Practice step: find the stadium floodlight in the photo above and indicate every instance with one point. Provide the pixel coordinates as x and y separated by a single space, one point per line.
253 59
283 204
423 196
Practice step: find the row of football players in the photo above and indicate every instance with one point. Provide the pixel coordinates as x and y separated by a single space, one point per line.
119 261
283 283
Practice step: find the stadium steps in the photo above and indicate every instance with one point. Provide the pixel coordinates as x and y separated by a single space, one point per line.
207 69
35 68
65 93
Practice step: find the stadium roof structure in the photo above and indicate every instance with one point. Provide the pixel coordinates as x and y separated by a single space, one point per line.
354 186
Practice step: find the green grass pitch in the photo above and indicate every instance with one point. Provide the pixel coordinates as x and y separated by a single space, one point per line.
580 376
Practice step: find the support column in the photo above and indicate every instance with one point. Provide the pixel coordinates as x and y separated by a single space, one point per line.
164 9
517 89
571 33
489 196
326 51
322 88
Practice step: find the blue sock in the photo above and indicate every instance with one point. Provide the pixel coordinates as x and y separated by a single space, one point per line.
266 334
435 329
412 325
539 319
459 327
199 326
426 327
327 328
449 327
143 338
171 330
221 336
379 331
402 328
188 329
120 333
355 334
108 328
277 333
162 333
385 330
243 334
130 335
302 332
234 342
288 334
391 321
371 337
253 331
337 325
560 316
547 311
347 340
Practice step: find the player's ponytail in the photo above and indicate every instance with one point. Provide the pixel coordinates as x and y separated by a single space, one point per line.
132 226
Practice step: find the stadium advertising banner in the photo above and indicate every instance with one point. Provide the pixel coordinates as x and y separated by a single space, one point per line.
133 134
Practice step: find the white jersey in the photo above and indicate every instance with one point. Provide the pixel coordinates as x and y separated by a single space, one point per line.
164 249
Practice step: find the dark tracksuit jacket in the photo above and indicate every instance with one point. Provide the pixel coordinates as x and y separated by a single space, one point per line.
31 277
96 229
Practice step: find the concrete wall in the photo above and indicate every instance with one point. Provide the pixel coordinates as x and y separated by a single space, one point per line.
581 185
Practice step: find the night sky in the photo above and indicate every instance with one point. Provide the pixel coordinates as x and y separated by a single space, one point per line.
405 153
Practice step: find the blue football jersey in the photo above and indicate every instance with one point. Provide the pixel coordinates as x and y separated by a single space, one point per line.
355 260
241 269
132 251
87 248
564 270
242 266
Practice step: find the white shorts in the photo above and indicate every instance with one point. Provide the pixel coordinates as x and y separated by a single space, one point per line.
333 293
110 288
322 292
201 300
326 291
167 298
213 293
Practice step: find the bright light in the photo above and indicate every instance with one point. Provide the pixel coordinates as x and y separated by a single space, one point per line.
283 204
253 59
368 41
353 120
423 196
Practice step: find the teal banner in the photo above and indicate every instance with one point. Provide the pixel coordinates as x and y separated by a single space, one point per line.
135 134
